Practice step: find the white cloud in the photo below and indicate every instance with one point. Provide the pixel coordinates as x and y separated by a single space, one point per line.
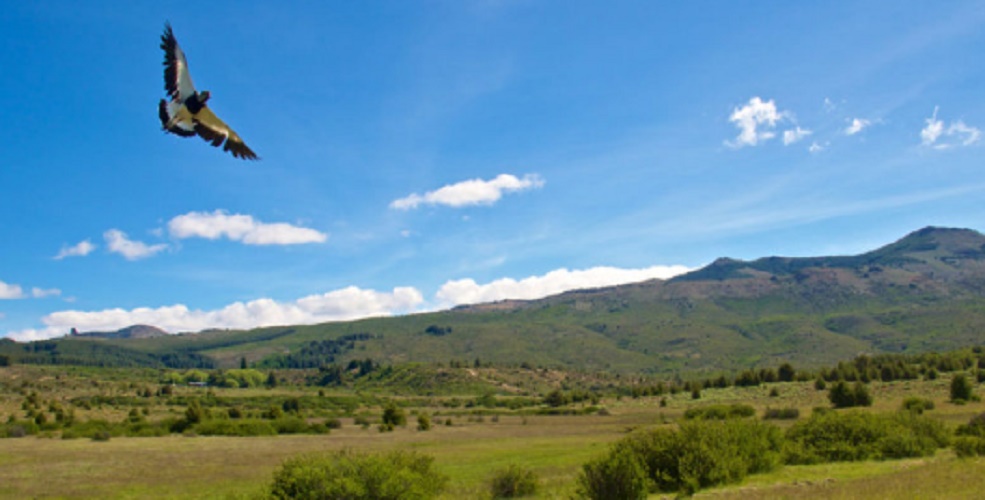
957 134
117 242
40 293
339 305
81 249
815 147
756 122
470 192
467 291
243 228
9 291
857 125
794 135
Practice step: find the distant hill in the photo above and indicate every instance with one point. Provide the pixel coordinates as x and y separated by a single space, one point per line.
925 292
130 332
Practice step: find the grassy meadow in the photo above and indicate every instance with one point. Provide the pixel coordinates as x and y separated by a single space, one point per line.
477 442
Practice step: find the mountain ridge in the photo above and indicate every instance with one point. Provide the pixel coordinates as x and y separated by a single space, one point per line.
923 292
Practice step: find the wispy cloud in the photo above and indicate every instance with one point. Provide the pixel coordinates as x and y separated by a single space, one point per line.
118 242
937 136
81 249
857 125
756 122
794 135
9 291
816 148
470 192
338 305
242 228
467 291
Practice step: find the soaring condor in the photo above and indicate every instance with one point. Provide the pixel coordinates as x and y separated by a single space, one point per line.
186 113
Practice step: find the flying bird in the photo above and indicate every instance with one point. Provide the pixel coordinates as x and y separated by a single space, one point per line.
186 113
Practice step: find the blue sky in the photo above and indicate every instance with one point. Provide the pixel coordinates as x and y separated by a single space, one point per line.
418 155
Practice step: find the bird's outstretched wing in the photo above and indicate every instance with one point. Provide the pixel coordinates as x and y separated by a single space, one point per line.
215 131
177 80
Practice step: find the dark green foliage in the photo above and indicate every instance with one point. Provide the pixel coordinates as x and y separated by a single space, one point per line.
851 436
781 414
243 427
720 412
557 398
620 475
820 384
961 388
700 454
514 482
917 405
394 416
975 427
316 353
397 475
842 396
969 446
423 422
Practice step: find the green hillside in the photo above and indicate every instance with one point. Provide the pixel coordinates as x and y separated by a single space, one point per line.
925 292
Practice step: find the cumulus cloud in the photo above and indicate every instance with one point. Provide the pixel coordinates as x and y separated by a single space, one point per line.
937 136
243 228
470 192
339 305
857 125
467 291
81 249
794 135
10 291
118 242
756 122
815 147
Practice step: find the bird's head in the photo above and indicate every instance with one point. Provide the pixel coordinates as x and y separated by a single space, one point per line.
203 96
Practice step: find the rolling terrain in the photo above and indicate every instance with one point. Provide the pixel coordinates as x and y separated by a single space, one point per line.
925 292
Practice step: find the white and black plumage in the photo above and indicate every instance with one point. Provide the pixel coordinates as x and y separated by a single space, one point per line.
186 113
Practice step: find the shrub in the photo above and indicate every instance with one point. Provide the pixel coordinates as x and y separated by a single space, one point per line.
851 436
781 414
701 453
618 476
961 389
101 436
394 416
514 482
423 422
975 427
719 412
242 427
917 405
841 396
969 446
396 475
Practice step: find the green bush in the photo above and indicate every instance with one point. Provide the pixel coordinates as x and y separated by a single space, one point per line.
969 446
397 475
851 436
700 454
239 427
974 427
842 396
514 482
781 414
961 389
620 475
719 412
917 405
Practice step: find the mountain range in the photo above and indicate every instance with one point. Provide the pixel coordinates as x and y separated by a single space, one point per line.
925 292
